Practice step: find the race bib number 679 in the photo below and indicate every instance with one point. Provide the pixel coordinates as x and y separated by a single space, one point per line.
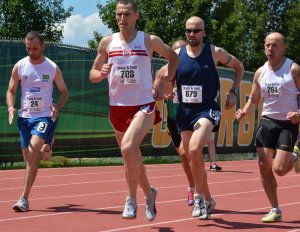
191 93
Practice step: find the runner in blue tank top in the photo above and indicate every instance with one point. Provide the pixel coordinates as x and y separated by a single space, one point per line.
199 113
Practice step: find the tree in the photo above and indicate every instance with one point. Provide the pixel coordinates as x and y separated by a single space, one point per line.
240 26
94 43
18 17
165 18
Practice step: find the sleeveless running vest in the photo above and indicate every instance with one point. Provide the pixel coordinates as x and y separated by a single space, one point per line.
130 80
37 87
278 91
197 80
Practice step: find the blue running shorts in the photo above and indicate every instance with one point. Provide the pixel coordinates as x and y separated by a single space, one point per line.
43 127
186 118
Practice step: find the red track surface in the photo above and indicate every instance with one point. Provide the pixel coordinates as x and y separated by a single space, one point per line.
92 199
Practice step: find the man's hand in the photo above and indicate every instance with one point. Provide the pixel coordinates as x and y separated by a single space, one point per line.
239 114
293 116
11 112
54 113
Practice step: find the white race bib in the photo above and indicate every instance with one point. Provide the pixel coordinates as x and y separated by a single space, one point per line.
35 104
191 93
128 74
272 89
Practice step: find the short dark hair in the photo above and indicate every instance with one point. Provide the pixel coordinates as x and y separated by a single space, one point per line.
126 2
34 35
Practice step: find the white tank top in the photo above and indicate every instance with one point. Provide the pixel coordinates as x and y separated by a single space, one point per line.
37 87
278 91
130 80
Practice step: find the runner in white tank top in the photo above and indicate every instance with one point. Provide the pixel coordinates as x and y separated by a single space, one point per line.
278 91
37 87
130 79
37 115
126 58
277 83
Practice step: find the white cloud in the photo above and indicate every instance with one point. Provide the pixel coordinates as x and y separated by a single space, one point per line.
78 30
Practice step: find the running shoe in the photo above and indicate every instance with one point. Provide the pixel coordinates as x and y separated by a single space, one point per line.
130 209
297 160
190 198
150 205
198 205
273 216
215 167
208 208
22 205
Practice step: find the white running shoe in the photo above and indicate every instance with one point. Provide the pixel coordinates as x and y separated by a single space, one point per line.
198 205
209 206
130 209
150 205
22 205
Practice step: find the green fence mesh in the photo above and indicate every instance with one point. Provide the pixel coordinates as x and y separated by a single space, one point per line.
84 129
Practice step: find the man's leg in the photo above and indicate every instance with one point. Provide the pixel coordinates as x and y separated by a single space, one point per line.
185 162
265 162
31 158
194 142
212 154
131 141
135 169
269 182
186 165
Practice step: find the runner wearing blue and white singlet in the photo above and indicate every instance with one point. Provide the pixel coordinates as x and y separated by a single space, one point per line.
198 87
38 115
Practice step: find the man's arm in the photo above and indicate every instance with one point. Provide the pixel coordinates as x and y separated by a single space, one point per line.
11 94
253 100
100 69
161 88
64 94
295 72
164 84
157 45
220 55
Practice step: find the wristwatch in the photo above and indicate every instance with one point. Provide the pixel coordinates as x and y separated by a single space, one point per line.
234 91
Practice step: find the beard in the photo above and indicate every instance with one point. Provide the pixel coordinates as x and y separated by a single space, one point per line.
194 43
35 57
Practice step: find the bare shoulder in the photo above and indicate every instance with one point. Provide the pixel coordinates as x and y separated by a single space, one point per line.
220 55
104 43
257 74
152 40
295 70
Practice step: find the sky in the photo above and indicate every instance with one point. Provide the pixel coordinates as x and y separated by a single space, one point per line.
79 28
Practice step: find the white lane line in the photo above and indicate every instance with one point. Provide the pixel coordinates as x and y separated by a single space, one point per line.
159 168
159 202
189 219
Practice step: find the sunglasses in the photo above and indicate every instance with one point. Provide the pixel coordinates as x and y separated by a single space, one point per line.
193 30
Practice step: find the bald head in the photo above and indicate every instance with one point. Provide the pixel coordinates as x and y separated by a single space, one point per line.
178 44
276 36
195 22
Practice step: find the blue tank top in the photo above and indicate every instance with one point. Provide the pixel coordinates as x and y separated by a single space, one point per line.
198 74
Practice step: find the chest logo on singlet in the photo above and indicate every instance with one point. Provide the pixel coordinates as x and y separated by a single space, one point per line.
126 52
45 78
